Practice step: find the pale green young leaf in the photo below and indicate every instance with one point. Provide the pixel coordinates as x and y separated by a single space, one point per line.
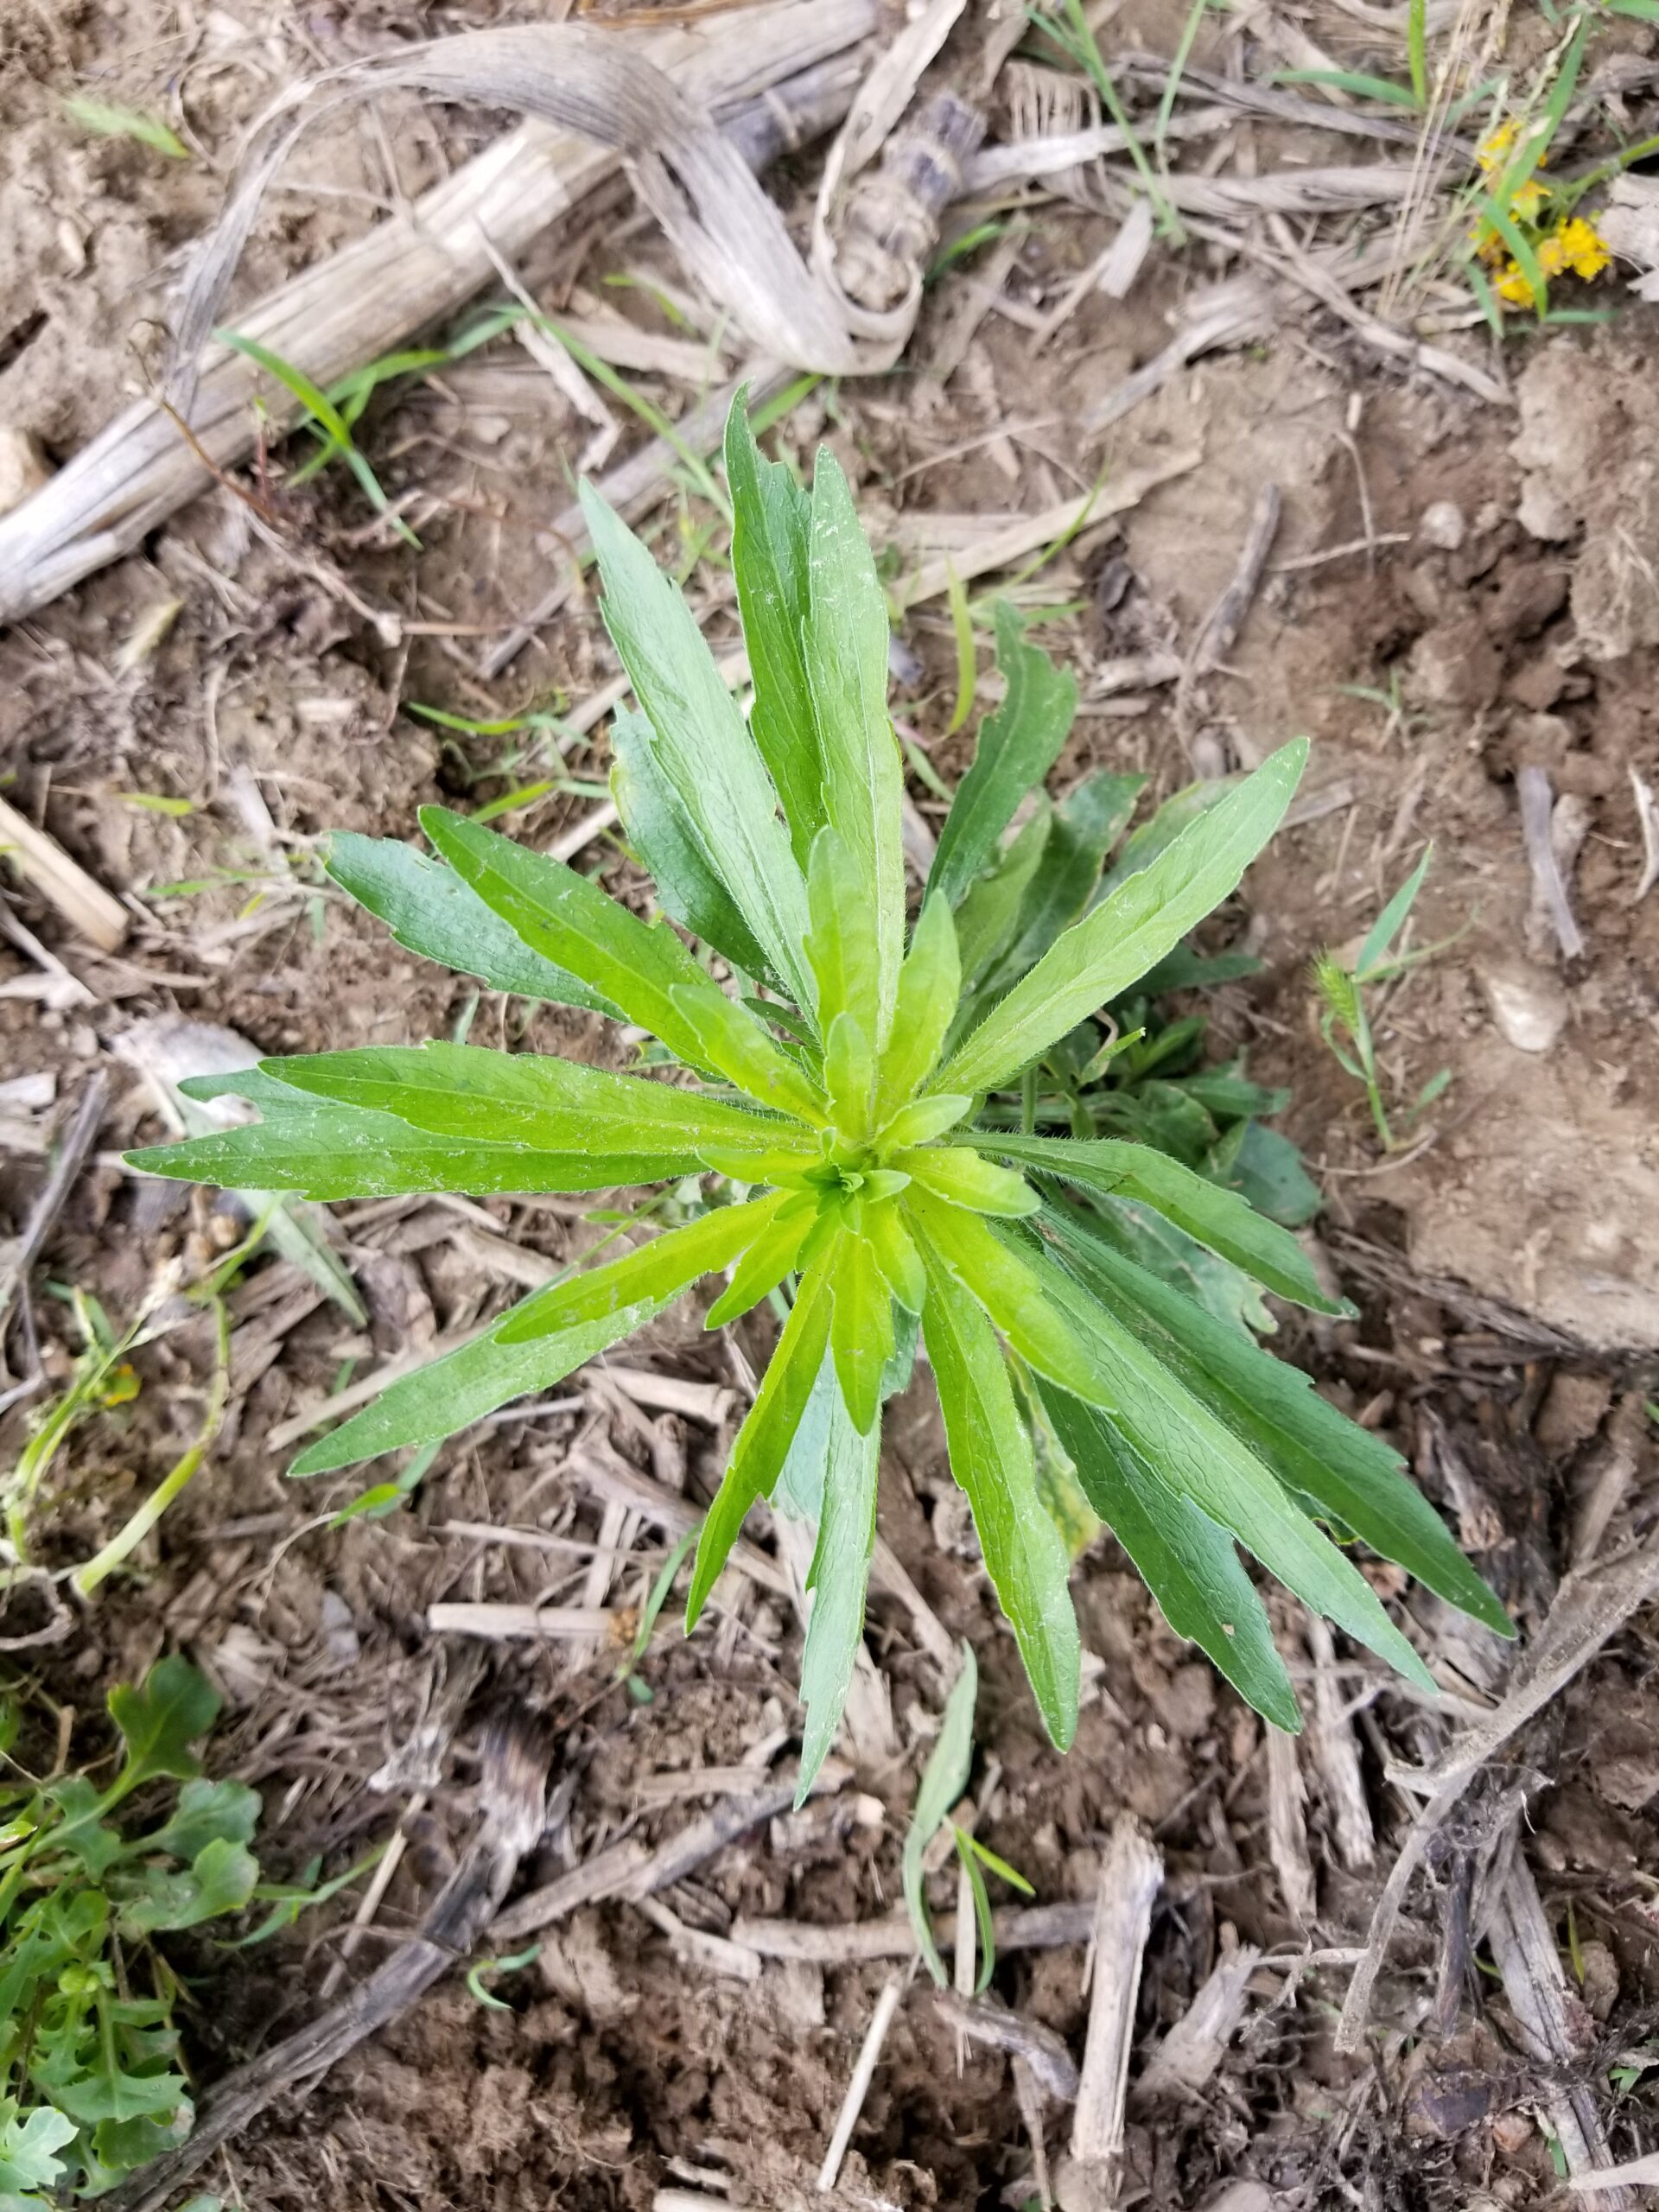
944 1780
728 1037
842 947
482 1095
965 1178
541 1340
431 911
861 1330
1005 1279
1274 1410
991 1458
1373 954
28 2165
840 1572
846 652
710 762
686 886
849 1076
771 554
1187 1562
923 1119
1218 1218
1100 956
1199 1455
1018 745
773 1255
763 1441
930 984
896 1255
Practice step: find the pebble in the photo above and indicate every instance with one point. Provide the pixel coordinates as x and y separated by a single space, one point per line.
1442 524
1529 1006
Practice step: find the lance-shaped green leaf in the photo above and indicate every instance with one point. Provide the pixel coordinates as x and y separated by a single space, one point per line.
1274 1410
988 916
546 1104
763 1441
646 971
1018 745
1085 827
709 761
841 1472
329 1151
541 1340
944 1779
1219 1219
930 984
861 1333
1198 1453
771 532
773 1255
848 1077
991 1458
1104 953
845 648
953 1172
1005 1279
842 947
687 886
432 911
1188 1563
896 1255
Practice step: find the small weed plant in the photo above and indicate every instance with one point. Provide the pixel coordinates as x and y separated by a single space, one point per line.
92 2087
841 1087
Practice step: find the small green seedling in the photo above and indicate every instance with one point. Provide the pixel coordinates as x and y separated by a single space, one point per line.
1345 1024
92 2085
830 1106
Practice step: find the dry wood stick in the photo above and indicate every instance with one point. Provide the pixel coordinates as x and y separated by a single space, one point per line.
1131 1874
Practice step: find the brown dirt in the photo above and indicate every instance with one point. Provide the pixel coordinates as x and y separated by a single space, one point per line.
621 2068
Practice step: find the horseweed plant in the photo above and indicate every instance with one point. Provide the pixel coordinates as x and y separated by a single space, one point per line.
838 1095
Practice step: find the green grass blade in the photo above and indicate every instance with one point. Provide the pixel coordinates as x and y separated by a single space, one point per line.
944 1780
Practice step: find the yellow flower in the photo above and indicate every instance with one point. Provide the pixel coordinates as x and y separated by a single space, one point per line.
1496 150
1528 203
1513 288
1583 249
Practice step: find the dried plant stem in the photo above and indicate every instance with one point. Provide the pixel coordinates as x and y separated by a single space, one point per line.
1131 1874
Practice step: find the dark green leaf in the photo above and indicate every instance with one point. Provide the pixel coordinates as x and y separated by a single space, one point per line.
1275 1411
687 885
1216 1217
220 1879
207 1812
991 1458
989 913
541 1340
1126 934
771 541
846 653
763 1441
169 1710
1266 1169
707 761
1086 826
1186 1560
1018 745
1143 1235
429 909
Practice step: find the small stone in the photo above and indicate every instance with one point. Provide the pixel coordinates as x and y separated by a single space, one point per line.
1574 1409
23 469
1544 513
1511 2131
1529 1006
1454 664
1442 526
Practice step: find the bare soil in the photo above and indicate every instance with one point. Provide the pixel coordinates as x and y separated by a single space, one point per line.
1497 609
